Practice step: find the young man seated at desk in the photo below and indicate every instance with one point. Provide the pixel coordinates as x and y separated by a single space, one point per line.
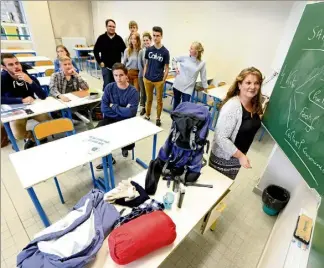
67 81
119 102
18 87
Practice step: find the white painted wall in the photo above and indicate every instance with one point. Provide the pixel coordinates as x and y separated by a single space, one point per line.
40 26
235 34
71 19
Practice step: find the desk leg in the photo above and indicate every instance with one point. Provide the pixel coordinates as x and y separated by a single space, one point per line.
79 60
211 125
154 146
38 207
262 134
105 170
93 175
140 162
11 136
111 172
69 115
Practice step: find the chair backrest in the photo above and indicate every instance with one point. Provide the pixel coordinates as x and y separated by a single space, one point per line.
14 48
52 127
49 72
45 62
24 55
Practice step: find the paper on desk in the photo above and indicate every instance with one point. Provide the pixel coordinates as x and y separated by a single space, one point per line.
6 107
95 144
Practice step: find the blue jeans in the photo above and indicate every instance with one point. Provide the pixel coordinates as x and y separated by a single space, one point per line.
107 77
177 97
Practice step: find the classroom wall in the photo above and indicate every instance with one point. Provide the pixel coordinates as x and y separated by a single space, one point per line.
40 26
71 19
235 34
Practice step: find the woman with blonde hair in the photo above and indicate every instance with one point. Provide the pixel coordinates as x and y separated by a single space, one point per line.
130 59
238 122
187 73
147 42
62 51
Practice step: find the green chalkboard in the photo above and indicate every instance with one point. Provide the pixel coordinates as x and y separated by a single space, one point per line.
295 114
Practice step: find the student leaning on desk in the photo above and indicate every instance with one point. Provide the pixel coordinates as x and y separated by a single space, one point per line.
237 124
19 87
119 102
66 81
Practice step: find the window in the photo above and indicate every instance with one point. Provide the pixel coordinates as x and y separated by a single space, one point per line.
13 22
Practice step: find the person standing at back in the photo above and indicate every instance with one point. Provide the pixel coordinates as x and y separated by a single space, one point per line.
133 29
155 73
147 40
130 59
190 66
108 50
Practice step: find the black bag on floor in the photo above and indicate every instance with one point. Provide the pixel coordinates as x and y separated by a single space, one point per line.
152 176
96 113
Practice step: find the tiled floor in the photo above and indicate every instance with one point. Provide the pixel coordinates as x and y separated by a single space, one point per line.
238 240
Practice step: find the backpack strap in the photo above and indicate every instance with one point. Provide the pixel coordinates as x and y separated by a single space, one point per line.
192 141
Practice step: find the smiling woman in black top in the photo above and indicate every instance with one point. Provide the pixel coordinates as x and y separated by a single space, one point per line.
237 124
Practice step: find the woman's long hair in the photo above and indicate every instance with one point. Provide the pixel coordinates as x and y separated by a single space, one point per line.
137 47
200 49
65 49
235 91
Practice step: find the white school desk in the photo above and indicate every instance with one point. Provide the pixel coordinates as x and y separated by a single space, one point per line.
78 101
38 107
197 203
171 80
78 51
218 94
76 150
40 70
32 60
19 51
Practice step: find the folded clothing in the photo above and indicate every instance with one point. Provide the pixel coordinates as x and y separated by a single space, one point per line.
141 236
147 207
124 190
143 196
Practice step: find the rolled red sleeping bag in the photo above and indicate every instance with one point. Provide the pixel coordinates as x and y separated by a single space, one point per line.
141 236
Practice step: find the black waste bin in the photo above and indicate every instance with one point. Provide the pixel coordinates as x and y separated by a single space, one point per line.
274 198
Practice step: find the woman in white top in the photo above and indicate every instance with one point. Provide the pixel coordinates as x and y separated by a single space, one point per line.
238 121
130 59
187 73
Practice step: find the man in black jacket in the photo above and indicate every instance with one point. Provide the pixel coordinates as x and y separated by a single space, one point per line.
111 46
18 87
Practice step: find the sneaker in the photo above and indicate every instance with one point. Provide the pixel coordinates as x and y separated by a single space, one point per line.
143 111
146 117
100 167
29 144
124 153
43 141
158 122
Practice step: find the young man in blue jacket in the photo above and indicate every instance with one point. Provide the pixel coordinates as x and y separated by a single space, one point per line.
19 87
119 102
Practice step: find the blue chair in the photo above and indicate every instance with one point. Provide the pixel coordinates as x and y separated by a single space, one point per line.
49 128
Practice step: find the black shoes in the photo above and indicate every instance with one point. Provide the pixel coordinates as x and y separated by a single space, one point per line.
100 167
143 111
29 144
158 122
125 153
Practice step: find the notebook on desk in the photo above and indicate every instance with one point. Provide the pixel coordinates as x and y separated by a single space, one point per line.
81 93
